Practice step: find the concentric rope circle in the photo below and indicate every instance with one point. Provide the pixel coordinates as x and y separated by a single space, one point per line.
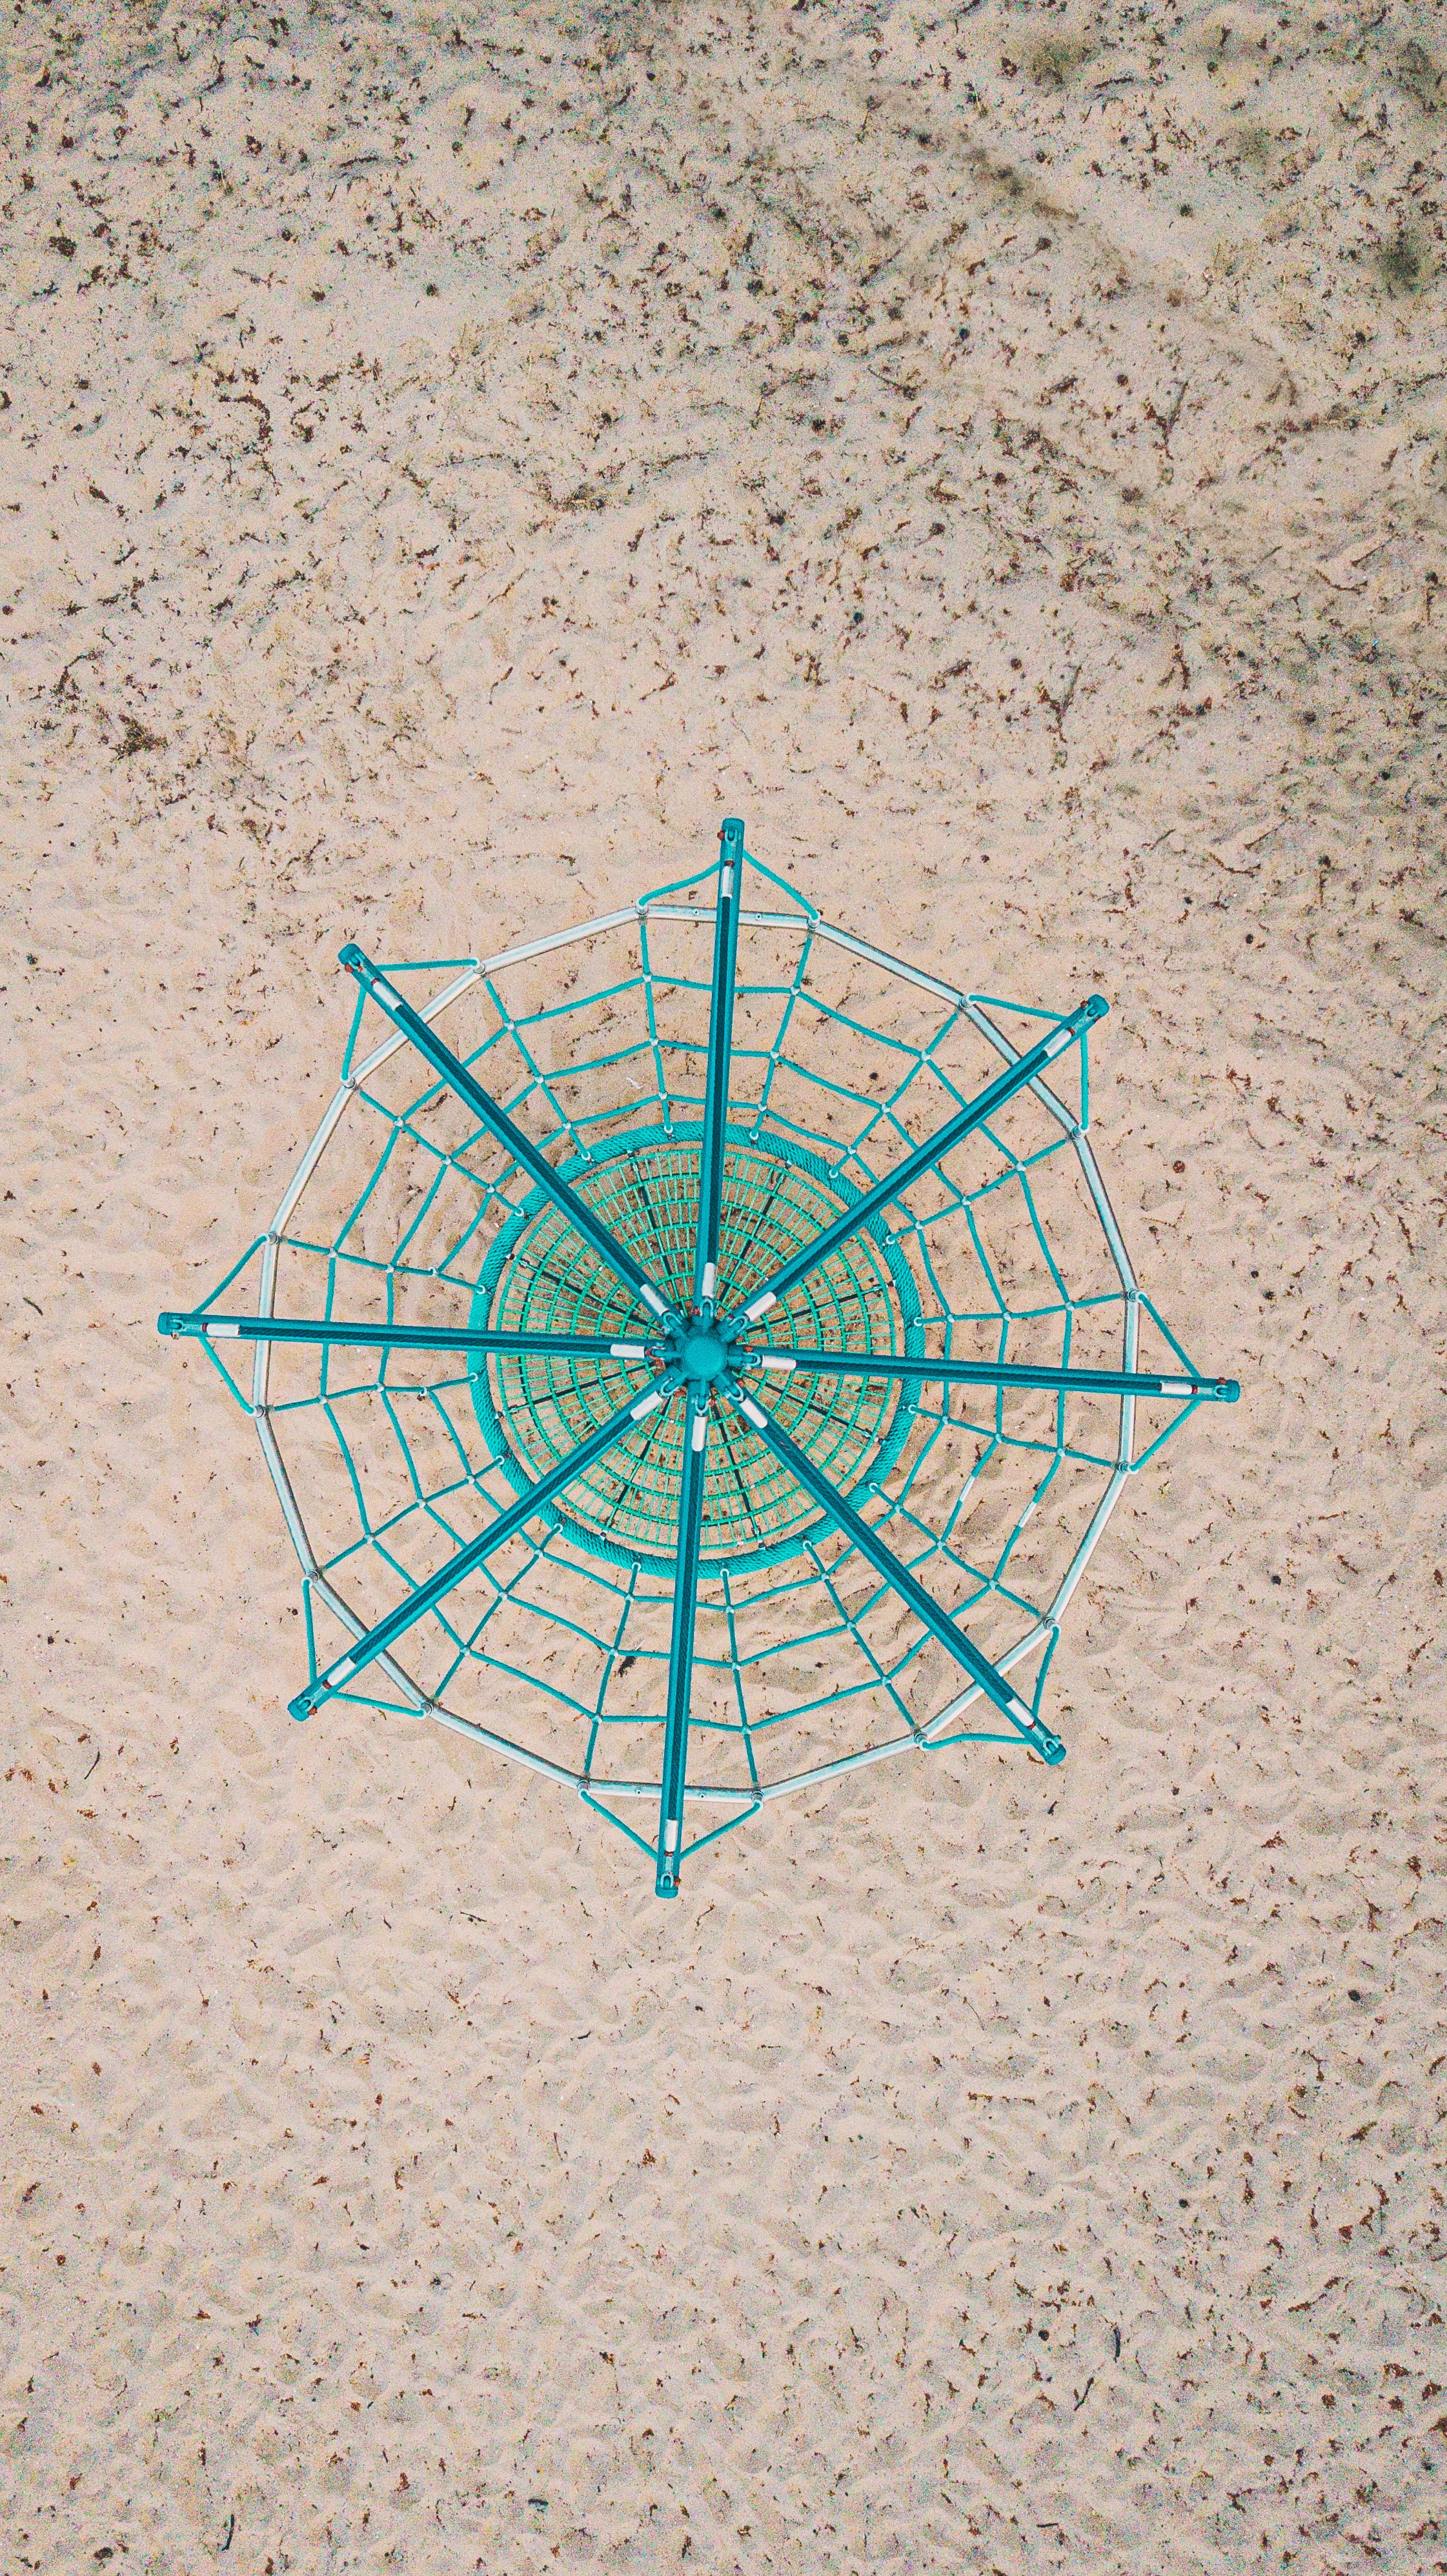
540 1276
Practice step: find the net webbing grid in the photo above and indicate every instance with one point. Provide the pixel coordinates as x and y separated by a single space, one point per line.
405 1208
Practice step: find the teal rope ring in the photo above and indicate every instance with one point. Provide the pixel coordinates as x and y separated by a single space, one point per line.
541 1276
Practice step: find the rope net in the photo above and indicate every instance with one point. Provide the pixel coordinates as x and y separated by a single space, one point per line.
405 1210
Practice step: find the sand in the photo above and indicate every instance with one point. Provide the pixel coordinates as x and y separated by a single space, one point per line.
453 457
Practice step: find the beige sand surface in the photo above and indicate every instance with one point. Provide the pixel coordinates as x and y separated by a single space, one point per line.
446 451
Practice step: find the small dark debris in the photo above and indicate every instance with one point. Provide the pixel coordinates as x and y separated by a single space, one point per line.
138 737
1402 265
1420 76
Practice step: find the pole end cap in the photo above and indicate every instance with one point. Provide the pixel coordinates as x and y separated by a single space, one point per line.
1048 1746
1096 1007
352 957
301 1707
171 1323
1228 1391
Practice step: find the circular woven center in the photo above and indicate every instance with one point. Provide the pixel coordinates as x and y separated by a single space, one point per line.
541 1277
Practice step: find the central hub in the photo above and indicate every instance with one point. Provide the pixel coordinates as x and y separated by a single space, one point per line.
703 1355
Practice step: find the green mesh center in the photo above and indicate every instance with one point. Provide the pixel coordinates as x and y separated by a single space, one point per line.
541 1277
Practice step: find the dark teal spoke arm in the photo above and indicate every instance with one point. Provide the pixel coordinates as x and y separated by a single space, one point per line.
680 1651
495 1118
720 1053
976 1113
427 1595
897 1575
397 1337
1079 1381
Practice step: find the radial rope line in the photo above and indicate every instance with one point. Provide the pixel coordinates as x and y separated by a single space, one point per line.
427 1595
740 1487
738 1257
625 1482
720 1055
397 1337
869 1543
703 1356
1082 1381
495 1118
852 1628
680 1647
653 1218
976 1113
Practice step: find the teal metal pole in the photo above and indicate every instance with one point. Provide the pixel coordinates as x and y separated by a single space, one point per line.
898 1576
680 1651
495 1118
976 1113
720 1052
396 1337
508 1523
1078 1381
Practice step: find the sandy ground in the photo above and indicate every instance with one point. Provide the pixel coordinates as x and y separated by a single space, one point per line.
452 457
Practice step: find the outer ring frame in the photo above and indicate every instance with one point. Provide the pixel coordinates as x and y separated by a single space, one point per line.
804 924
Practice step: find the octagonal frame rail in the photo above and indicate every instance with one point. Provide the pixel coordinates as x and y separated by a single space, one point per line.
1022 1070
